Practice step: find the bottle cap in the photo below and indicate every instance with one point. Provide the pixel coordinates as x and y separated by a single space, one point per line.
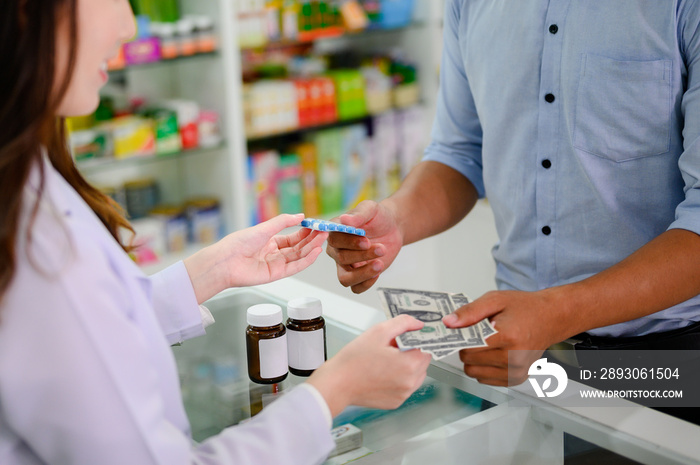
304 308
184 26
264 315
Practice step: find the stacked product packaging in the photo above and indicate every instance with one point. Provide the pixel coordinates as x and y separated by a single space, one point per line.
324 96
355 123
138 129
162 34
169 229
332 170
165 228
261 22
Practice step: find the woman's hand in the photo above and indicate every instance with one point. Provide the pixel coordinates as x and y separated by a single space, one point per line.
254 255
371 371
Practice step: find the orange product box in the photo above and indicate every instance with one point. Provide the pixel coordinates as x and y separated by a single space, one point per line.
118 61
316 101
265 166
303 102
329 108
309 181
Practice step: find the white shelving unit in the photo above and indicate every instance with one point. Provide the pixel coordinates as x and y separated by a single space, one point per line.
212 80
215 81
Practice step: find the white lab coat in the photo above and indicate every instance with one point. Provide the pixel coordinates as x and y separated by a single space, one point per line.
86 372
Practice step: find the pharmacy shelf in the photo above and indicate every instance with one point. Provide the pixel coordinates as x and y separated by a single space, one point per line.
256 138
420 39
215 81
260 138
163 62
329 33
93 164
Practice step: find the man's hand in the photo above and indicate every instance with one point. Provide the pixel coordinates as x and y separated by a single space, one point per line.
360 260
526 321
432 199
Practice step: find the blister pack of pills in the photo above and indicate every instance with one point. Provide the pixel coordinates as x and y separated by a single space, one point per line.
323 225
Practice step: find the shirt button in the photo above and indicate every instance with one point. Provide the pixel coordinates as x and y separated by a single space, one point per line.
553 29
546 230
547 164
549 98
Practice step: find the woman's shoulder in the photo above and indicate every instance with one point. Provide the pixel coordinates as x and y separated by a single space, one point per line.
58 233
61 258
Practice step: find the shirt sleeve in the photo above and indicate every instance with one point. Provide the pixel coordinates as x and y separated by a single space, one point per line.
321 402
688 211
80 384
294 423
456 138
176 306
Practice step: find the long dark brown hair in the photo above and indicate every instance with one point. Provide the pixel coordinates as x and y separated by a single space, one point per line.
30 94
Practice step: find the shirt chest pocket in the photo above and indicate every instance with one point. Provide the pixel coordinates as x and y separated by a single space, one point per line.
623 108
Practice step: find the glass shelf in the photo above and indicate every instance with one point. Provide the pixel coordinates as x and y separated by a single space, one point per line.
95 164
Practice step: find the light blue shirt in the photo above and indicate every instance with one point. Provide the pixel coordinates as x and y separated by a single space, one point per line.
579 120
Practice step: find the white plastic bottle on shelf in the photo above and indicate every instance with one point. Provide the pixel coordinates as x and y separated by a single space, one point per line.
169 47
186 37
205 36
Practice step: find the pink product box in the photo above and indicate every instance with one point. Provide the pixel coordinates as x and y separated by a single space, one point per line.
142 51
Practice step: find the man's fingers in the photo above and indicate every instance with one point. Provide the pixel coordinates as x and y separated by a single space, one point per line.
350 277
470 314
493 376
363 286
348 241
351 257
489 357
360 215
486 373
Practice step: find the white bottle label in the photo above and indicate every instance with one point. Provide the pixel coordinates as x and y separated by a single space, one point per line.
273 357
306 350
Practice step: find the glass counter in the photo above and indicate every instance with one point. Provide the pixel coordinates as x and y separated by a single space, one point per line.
450 419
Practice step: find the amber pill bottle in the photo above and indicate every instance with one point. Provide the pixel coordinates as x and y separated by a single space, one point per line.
306 335
266 344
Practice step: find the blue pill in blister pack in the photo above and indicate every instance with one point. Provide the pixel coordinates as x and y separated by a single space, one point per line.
323 225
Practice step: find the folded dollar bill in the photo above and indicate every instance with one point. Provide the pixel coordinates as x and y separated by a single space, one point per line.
430 307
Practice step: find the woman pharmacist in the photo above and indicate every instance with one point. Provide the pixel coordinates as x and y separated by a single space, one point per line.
86 373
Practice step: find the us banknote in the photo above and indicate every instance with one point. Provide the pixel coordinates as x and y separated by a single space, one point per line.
430 307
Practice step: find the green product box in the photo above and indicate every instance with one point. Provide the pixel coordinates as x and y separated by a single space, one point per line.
350 93
289 191
166 130
330 179
358 182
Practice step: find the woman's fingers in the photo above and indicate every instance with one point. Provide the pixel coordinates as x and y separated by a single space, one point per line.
295 266
279 223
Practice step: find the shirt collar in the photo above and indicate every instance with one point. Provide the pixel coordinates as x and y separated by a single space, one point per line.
53 184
